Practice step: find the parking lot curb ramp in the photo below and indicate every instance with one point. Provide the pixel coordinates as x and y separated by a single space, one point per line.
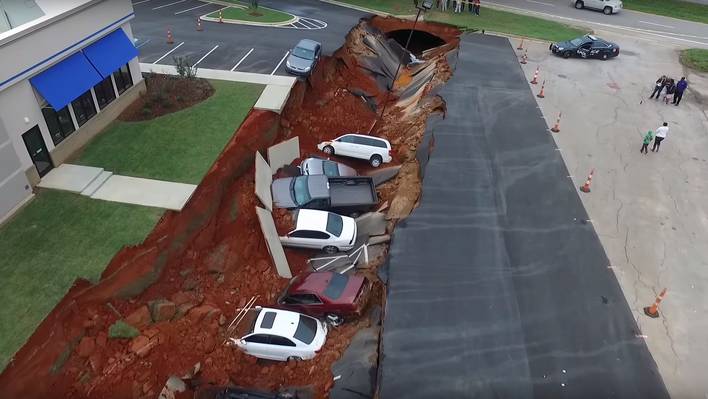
274 95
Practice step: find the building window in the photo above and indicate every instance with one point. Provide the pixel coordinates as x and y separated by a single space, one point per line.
84 108
59 123
123 79
104 92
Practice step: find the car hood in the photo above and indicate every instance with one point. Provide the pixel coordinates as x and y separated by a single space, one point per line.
299 63
348 229
282 197
565 44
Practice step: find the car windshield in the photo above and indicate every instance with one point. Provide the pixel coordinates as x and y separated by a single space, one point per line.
335 223
336 286
576 42
303 53
300 193
330 169
306 329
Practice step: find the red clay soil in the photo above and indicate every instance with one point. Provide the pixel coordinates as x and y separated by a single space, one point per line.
208 260
166 94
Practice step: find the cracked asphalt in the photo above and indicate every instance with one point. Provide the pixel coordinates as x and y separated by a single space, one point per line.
649 211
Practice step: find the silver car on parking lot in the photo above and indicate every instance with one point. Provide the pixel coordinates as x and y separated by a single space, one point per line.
303 57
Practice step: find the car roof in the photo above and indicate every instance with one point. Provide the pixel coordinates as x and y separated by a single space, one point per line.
312 282
307 44
367 136
311 219
276 322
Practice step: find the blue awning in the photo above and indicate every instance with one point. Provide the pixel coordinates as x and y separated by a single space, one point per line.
67 80
111 52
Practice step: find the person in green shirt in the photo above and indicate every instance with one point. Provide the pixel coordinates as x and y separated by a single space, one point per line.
647 140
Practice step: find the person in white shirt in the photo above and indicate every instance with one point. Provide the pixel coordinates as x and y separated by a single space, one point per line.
661 133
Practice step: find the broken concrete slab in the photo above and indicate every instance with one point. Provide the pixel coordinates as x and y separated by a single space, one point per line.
371 223
382 175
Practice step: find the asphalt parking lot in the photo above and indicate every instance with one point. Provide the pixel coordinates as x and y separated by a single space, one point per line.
498 285
231 46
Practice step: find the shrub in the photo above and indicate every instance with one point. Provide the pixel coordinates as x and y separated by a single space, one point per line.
185 69
147 111
121 329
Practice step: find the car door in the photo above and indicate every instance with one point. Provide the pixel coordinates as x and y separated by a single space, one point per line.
305 303
597 49
362 147
596 4
282 348
258 345
343 145
584 49
296 238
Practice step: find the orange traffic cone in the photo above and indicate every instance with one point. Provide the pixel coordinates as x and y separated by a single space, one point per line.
524 57
535 77
221 17
556 127
521 45
170 39
540 94
653 310
199 25
586 187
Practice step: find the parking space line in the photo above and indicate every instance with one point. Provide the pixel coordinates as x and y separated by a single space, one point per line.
205 55
168 53
281 61
167 5
193 8
241 60
140 2
307 23
143 43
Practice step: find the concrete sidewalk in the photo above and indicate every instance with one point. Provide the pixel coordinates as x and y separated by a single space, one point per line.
273 97
100 184
650 211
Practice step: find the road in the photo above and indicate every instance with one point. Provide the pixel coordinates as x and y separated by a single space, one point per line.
682 33
230 46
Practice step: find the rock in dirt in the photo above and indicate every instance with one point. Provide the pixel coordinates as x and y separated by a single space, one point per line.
101 339
190 283
209 344
140 318
86 347
175 384
96 362
203 313
162 310
182 297
142 345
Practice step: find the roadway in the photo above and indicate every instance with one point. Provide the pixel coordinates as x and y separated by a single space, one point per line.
683 33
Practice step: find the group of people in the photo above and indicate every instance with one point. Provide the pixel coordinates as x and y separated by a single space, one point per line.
673 90
661 134
458 6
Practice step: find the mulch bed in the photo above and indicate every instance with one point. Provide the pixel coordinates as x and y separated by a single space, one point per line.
166 94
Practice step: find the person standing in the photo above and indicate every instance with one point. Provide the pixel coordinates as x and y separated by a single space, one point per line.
477 4
444 4
645 143
660 83
458 6
680 87
661 133
470 6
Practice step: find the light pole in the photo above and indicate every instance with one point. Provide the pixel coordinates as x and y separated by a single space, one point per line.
426 5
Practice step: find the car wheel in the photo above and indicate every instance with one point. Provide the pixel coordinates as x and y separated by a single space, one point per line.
579 5
335 320
294 359
607 10
376 161
604 57
329 150
330 249
567 54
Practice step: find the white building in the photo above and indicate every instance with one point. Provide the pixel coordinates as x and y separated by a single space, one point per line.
67 69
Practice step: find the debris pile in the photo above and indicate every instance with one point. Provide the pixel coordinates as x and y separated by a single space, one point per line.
198 266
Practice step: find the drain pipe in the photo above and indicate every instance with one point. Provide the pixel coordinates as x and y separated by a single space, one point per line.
425 6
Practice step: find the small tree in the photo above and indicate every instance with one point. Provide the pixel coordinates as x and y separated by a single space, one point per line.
185 69
254 4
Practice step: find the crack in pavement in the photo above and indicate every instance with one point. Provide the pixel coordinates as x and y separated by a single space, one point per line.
639 279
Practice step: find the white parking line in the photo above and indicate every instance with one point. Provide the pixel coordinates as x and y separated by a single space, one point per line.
167 5
168 53
140 2
281 61
143 43
193 8
652 23
241 60
205 55
307 23
540 2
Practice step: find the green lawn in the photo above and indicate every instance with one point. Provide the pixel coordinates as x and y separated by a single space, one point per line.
57 238
261 14
506 22
396 7
176 147
671 8
695 58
